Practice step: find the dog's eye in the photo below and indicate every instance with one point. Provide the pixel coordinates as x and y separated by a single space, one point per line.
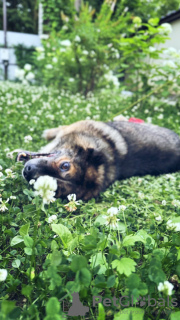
65 166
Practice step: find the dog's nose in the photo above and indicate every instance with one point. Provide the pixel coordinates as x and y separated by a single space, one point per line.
29 171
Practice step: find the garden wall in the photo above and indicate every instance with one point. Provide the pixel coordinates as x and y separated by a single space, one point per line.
15 38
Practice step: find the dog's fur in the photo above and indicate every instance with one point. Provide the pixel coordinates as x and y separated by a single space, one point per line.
87 156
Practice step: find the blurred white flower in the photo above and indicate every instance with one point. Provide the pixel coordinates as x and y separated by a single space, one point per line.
19 74
45 187
49 66
3 205
44 36
66 43
173 225
10 173
30 76
113 211
54 59
164 202
85 52
52 218
72 197
27 139
71 79
169 63
65 27
27 67
1 167
165 28
158 218
166 287
1 174
39 49
152 49
3 274
77 38
160 117
122 207
112 78
12 197
176 203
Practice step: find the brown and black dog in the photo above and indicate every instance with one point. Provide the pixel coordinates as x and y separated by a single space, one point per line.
87 156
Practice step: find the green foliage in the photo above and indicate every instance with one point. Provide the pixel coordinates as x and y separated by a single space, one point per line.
22 16
24 55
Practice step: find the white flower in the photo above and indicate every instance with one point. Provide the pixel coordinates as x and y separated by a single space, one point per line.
19 74
52 218
3 206
62 50
49 66
39 49
85 52
166 287
12 197
66 43
161 116
72 197
27 67
27 139
65 27
32 181
165 28
77 38
140 195
1 167
152 49
113 211
170 64
9 173
164 202
122 207
3 274
176 203
173 225
45 187
30 76
54 59
158 218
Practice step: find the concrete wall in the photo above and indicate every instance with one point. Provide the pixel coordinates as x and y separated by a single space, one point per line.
14 38
174 36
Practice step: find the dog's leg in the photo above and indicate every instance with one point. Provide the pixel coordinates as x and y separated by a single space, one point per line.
50 134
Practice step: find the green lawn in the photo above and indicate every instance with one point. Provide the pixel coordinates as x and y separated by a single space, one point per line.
79 251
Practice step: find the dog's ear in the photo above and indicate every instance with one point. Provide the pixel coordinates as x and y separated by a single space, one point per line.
94 157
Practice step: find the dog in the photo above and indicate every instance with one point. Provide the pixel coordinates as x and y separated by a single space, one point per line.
88 156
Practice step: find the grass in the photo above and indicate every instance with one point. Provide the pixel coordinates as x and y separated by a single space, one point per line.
78 252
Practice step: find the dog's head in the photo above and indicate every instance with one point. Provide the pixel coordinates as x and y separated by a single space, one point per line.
77 170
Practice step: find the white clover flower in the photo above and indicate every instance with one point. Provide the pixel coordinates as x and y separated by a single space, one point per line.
166 287
3 206
10 173
71 79
1 174
122 207
176 203
3 274
65 27
30 76
140 195
27 67
52 218
165 28
77 38
66 43
113 211
85 52
32 181
54 59
164 202
173 225
45 187
27 139
111 220
12 197
49 66
72 197
19 74
158 218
